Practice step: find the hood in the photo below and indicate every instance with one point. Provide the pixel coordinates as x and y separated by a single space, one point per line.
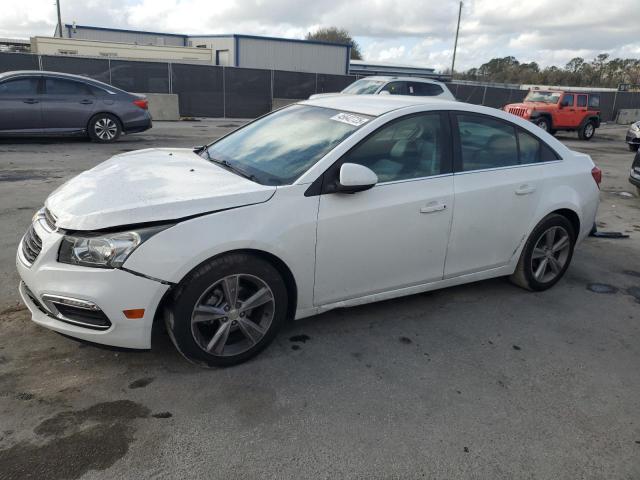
148 186
320 95
533 105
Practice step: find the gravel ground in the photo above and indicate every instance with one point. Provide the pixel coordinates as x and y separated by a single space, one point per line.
478 381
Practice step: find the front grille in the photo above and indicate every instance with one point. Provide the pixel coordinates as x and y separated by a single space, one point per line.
521 112
49 220
35 300
31 245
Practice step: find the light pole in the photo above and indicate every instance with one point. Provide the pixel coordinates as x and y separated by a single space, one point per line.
59 19
455 45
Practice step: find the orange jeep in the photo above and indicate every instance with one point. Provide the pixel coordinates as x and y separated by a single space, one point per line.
554 110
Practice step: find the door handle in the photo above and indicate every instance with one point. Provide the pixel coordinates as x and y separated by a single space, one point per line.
30 101
86 102
433 207
525 189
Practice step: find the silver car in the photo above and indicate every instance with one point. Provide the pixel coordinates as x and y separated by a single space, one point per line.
36 103
633 136
392 85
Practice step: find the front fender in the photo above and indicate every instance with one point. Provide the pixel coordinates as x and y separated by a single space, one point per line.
284 227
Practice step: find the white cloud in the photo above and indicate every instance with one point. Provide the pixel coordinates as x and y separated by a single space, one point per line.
418 32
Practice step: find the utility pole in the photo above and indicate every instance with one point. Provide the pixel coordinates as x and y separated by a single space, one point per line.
59 19
455 45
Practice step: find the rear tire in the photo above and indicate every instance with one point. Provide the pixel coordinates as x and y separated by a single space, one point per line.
104 128
227 310
587 131
546 255
633 147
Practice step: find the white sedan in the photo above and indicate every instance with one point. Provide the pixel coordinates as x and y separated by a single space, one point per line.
327 203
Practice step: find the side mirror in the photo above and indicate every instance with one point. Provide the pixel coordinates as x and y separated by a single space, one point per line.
385 92
355 178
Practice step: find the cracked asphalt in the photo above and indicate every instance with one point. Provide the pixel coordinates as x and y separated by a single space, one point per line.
478 381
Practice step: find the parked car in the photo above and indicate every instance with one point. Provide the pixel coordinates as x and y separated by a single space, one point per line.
414 86
554 110
37 103
327 203
633 136
634 174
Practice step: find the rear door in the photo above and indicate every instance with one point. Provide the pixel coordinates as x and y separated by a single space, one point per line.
20 107
67 105
497 183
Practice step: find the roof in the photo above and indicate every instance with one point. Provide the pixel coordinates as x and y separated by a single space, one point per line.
375 105
224 35
123 30
387 78
278 39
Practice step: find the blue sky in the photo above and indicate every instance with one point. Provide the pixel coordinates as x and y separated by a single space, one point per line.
416 32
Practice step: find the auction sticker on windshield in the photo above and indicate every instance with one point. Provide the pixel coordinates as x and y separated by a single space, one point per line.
350 118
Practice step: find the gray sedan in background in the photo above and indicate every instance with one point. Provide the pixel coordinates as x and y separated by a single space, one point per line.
37 103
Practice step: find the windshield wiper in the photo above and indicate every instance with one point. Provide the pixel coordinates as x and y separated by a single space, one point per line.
232 168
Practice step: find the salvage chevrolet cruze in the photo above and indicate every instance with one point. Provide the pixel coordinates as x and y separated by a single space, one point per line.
327 203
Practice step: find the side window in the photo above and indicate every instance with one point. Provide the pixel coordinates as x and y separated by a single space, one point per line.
533 150
567 100
582 100
594 101
413 147
58 86
395 88
424 89
486 143
22 86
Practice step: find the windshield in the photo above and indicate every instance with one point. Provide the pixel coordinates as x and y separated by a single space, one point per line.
545 97
363 87
278 148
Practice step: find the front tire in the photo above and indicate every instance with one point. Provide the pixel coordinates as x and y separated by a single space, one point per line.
587 131
104 128
227 310
544 124
546 255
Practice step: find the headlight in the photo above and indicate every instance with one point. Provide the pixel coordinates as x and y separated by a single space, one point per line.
635 127
104 250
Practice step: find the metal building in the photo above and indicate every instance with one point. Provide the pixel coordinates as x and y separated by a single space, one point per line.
234 50
135 37
274 53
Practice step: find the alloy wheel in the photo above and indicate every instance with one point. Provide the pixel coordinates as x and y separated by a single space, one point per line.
588 130
105 128
232 315
550 254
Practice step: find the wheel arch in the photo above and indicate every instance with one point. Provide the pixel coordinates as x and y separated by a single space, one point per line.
570 215
95 114
282 268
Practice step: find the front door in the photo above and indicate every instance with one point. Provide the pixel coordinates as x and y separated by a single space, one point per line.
395 234
67 105
566 115
20 107
498 184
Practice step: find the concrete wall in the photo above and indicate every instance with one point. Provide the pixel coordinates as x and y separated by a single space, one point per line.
292 56
627 116
107 35
163 106
92 48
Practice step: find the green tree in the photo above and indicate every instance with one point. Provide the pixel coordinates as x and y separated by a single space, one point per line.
337 35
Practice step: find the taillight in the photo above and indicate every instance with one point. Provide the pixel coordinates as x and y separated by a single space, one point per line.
596 173
144 104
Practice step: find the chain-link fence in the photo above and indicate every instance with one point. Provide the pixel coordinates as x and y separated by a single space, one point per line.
212 91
